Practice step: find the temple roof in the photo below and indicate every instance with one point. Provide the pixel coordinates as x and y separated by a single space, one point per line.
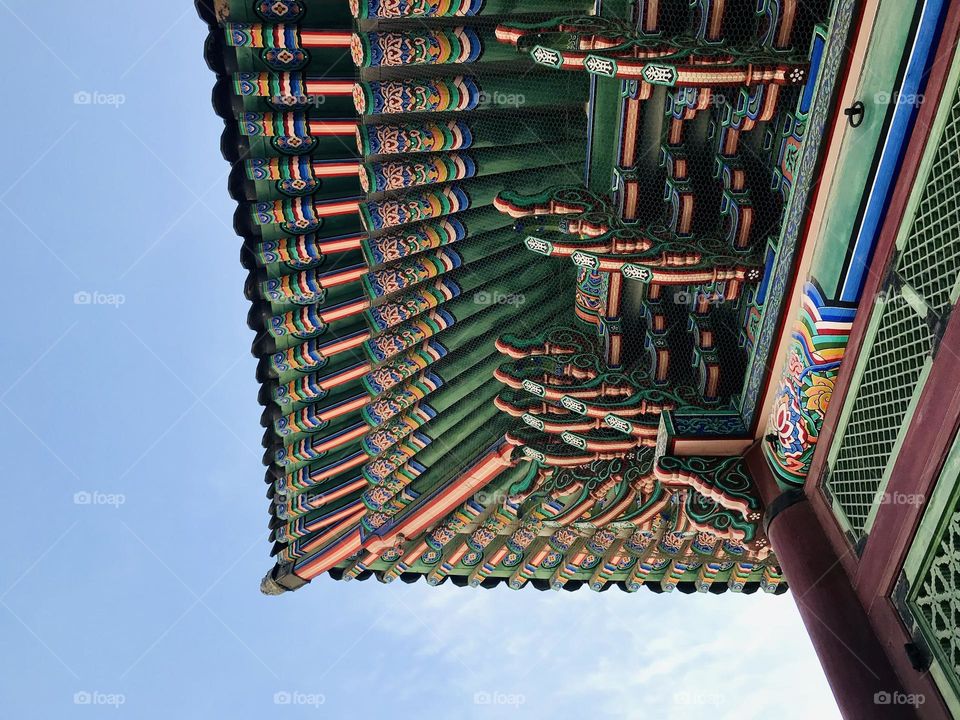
442 400
684 588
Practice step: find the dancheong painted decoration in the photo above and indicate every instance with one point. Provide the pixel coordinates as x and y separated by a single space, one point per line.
511 271
634 293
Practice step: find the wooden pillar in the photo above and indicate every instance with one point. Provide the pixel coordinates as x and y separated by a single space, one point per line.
858 670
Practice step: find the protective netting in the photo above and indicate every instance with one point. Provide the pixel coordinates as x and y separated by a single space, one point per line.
388 153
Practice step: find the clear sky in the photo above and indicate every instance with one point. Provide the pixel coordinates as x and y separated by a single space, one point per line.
135 521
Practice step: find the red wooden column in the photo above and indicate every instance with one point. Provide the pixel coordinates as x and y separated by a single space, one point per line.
873 575
852 657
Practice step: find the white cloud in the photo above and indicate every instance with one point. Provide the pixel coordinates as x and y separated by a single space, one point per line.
611 654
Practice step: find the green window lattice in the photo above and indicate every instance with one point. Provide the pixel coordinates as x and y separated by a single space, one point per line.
904 326
927 593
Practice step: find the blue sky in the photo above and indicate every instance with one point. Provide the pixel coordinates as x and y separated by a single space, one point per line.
135 525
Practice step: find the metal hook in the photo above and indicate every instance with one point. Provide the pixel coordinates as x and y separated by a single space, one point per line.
855 114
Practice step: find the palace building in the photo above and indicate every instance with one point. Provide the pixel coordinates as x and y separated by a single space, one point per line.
590 293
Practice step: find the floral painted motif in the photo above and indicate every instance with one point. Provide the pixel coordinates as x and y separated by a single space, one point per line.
390 555
411 241
377 497
412 304
672 543
396 402
430 137
551 560
377 471
414 8
482 537
396 175
287 145
407 335
402 275
524 535
279 10
819 341
704 543
441 536
420 95
819 393
415 47
563 539
394 430
285 59
639 542
402 368
413 207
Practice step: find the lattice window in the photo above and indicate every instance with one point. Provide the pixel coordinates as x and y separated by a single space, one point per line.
890 369
887 385
927 594
937 599
930 258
